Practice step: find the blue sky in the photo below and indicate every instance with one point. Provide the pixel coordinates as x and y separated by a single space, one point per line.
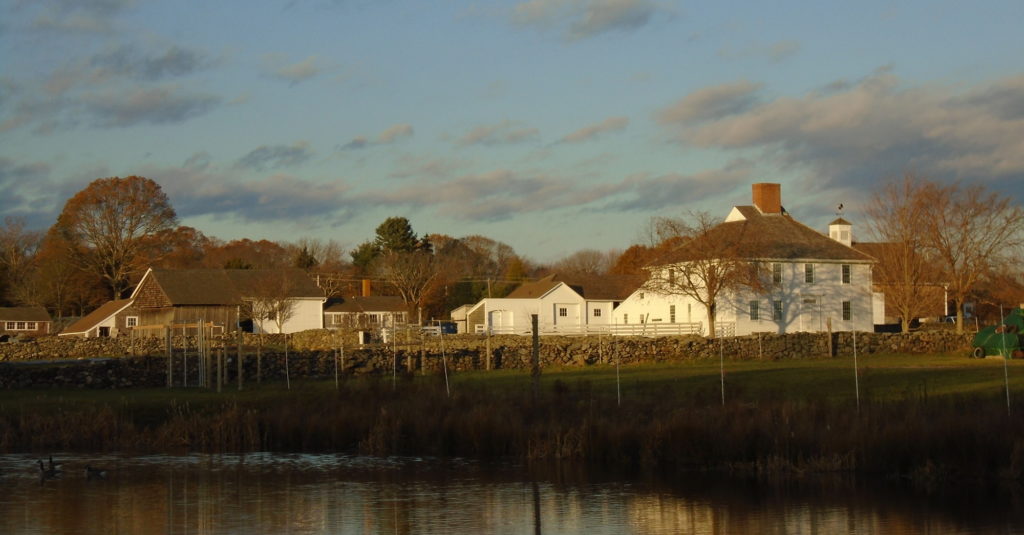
551 125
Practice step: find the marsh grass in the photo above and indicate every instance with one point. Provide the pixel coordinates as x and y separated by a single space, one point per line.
929 418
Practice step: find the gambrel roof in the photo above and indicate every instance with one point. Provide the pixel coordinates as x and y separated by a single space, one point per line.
759 236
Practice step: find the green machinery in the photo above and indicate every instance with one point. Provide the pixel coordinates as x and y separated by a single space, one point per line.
1001 340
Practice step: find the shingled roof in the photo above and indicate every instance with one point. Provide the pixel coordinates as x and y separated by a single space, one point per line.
94 318
229 286
24 314
373 303
769 237
608 287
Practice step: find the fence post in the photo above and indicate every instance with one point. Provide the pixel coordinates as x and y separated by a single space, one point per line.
535 357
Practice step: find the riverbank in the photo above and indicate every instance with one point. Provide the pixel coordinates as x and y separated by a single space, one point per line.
931 417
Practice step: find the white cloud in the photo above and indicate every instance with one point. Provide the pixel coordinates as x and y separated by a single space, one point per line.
501 133
580 19
611 124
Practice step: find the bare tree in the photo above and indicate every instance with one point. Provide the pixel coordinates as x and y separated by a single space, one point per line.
708 263
587 262
971 231
898 214
18 248
411 273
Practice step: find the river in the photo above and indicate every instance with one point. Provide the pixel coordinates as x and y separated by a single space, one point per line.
320 494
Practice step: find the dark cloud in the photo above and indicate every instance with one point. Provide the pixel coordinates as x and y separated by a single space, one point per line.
867 132
129 61
90 16
26 191
643 193
281 197
156 105
276 157
711 103
198 161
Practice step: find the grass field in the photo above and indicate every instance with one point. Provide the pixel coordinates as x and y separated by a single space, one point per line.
921 416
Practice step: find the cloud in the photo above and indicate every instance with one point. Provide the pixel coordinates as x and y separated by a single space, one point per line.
711 103
275 157
611 124
390 135
501 133
412 166
394 133
22 187
280 198
865 132
581 19
773 52
88 16
643 193
152 105
292 72
128 61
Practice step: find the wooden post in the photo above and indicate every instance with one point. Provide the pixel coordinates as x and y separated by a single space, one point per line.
535 357
241 340
170 354
287 371
828 326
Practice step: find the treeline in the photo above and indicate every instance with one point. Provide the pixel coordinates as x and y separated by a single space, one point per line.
109 233
930 240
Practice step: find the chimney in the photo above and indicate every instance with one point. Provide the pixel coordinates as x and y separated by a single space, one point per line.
768 197
366 288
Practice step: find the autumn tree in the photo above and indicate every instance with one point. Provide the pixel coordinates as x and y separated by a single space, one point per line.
586 262
248 254
897 217
970 231
709 262
107 223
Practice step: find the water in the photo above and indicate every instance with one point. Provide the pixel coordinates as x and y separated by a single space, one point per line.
317 494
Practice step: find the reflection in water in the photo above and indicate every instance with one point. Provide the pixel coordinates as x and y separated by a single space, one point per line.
300 494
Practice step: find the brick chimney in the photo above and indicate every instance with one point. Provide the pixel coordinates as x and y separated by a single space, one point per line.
768 197
366 288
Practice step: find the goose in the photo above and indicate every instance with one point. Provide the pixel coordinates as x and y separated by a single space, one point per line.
47 473
95 473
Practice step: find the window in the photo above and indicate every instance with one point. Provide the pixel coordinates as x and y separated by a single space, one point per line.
22 326
776 273
671 276
777 310
847 311
597 312
625 318
131 321
671 313
846 273
641 295
10 325
563 312
754 312
809 273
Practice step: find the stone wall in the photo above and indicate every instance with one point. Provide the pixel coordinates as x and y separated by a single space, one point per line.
121 362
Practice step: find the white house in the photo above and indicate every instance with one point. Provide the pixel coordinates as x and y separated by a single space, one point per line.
561 306
812 282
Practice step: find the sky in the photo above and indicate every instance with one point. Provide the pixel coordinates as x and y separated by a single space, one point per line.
550 125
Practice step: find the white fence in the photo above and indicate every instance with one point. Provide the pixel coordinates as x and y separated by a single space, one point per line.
636 329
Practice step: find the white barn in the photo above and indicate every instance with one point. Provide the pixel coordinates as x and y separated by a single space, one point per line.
561 306
813 282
